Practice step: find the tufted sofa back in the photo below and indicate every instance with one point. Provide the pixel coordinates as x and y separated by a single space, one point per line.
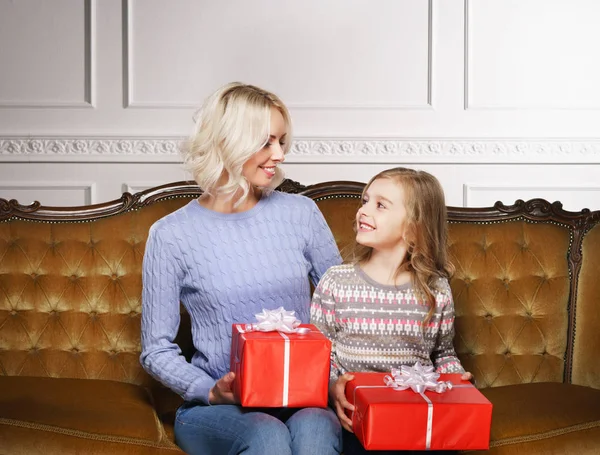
70 285
512 289
70 294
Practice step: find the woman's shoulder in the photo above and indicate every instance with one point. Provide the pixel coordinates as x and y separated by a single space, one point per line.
173 220
298 200
294 207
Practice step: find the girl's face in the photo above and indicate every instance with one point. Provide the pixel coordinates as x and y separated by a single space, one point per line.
260 168
381 221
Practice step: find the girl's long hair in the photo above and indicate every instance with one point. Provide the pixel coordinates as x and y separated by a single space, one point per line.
426 232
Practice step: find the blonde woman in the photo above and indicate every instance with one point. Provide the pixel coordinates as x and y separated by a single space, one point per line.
240 248
393 296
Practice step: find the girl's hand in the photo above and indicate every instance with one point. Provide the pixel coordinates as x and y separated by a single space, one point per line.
337 396
222 391
468 377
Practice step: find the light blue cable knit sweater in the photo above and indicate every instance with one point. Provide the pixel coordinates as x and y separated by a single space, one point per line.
225 268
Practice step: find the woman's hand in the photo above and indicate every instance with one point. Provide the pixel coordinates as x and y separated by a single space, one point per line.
337 396
222 391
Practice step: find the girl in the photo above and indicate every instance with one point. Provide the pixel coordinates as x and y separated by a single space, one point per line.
239 248
392 304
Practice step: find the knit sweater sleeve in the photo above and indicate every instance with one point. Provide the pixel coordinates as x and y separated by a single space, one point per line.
322 315
161 357
321 251
443 355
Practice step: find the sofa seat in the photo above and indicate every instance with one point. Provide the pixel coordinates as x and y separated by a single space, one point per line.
545 418
60 416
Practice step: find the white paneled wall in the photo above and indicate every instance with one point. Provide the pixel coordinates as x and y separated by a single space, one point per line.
498 98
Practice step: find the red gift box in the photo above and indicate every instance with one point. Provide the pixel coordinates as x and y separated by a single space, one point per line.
388 419
276 369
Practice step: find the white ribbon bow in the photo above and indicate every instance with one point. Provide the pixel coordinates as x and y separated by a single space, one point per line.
276 320
419 378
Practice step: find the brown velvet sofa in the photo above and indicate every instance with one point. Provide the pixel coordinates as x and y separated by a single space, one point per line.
527 292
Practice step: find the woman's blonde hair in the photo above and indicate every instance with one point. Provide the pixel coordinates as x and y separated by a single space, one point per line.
231 126
426 232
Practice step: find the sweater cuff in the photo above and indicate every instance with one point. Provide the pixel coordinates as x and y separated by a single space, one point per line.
199 390
450 366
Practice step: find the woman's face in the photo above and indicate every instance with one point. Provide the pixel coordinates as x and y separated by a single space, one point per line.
259 170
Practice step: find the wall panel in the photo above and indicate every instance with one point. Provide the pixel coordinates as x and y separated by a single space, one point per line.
58 192
47 54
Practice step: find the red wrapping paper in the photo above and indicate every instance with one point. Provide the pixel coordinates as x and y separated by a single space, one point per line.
258 361
388 419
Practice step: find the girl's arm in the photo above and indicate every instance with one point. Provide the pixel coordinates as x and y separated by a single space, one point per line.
322 315
161 357
443 355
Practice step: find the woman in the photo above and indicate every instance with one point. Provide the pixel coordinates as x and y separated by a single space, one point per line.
239 248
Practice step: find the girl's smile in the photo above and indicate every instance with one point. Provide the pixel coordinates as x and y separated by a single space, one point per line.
381 221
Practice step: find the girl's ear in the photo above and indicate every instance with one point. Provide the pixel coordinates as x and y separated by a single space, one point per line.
409 234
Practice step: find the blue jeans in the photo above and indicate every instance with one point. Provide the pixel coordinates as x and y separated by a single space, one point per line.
231 429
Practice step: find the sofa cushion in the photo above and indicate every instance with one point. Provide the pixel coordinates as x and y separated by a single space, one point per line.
548 418
56 415
511 293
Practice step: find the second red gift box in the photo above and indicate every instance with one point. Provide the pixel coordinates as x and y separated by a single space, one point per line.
389 419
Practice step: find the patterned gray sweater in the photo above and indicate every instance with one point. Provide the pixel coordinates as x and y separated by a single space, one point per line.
374 327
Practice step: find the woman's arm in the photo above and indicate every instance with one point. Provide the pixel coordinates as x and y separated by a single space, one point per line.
161 357
322 251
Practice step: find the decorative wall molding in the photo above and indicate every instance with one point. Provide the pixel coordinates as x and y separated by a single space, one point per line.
320 150
84 146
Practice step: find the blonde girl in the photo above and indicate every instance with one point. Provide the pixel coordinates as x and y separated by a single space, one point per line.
391 305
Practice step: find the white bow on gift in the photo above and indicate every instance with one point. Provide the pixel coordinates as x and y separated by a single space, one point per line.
277 320
419 378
